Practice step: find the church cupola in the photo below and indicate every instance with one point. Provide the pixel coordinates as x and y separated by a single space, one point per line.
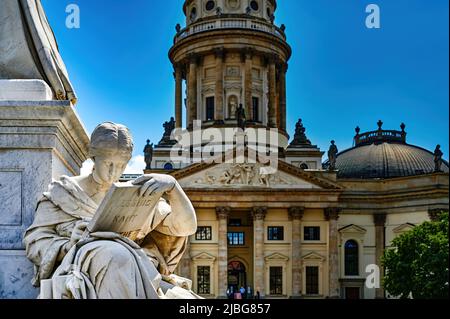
231 53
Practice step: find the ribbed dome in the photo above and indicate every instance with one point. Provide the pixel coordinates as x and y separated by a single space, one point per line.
386 160
385 154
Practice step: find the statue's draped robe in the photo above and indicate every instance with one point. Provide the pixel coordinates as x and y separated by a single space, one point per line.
28 48
106 265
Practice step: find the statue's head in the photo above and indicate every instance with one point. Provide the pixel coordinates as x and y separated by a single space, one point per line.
111 149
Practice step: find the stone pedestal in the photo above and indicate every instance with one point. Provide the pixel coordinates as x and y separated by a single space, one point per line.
39 141
25 90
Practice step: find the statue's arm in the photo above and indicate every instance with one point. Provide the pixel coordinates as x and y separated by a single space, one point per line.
181 220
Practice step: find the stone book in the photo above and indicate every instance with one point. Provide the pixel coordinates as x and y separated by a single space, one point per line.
123 211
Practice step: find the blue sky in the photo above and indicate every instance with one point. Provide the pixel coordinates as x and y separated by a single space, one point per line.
341 74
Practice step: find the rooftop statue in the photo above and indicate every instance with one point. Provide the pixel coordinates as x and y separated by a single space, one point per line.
332 156
28 48
107 265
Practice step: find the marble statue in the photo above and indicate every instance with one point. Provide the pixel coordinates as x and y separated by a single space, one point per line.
332 156
107 265
148 155
28 48
438 159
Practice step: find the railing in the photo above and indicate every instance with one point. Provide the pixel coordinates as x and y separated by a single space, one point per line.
230 23
380 136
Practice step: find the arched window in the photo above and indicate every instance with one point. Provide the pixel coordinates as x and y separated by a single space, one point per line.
304 166
351 258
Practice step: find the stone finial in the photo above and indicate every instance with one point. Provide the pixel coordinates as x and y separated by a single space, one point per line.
259 213
296 213
178 28
438 159
380 125
379 219
357 130
223 212
283 27
332 213
403 127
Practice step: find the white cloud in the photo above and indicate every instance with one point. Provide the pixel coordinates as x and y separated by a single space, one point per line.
86 169
136 165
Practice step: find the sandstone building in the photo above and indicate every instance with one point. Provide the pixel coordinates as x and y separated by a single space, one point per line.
305 231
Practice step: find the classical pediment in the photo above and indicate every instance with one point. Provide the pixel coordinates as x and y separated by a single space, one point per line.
276 257
352 229
404 228
313 257
204 257
250 176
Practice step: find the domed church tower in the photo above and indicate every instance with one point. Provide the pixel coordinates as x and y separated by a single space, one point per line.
231 53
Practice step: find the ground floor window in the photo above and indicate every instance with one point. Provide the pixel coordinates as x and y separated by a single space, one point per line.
276 281
312 280
204 280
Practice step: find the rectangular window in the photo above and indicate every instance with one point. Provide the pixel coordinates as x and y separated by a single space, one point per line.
210 108
255 105
204 280
276 281
236 239
312 280
275 233
312 233
204 233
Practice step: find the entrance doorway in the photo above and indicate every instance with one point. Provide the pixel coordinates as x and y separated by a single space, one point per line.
237 276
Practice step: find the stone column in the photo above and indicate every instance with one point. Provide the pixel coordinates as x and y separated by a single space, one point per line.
283 70
380 222
259 214
248 55
332 216
185 262
178 96
273 114
220 112
296 215
192 89
222 215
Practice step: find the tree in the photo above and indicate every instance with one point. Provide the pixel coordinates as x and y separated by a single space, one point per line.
417 264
